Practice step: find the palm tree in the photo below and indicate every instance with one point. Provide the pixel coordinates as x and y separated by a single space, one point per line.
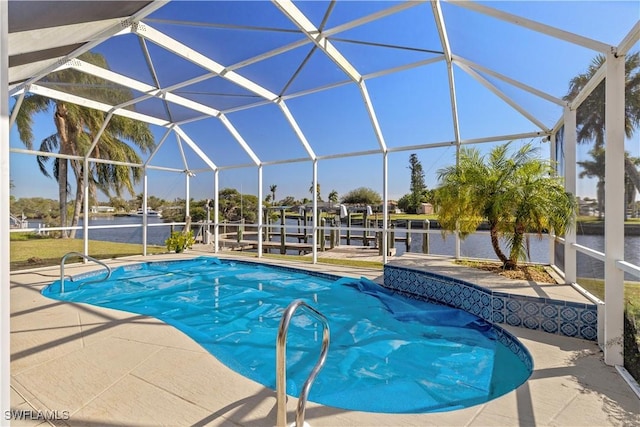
76 127
333 196
590 116
317 191
595 169
273 188
515 194
632 181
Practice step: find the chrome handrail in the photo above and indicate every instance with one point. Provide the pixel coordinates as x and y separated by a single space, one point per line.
88 258
281 363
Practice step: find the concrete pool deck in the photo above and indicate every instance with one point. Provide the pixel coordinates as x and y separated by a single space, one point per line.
92 366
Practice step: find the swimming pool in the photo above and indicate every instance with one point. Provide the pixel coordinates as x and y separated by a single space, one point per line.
387 354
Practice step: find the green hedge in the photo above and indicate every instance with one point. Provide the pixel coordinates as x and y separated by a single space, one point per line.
631 351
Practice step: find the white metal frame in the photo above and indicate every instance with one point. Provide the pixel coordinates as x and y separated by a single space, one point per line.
613 70
5 308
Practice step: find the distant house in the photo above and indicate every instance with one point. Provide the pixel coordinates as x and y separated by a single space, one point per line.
102 209
426 208
393 207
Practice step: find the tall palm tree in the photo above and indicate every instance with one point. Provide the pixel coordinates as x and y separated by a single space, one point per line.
595 169
590 116
632 182
317 191
273 189
76 127
514 193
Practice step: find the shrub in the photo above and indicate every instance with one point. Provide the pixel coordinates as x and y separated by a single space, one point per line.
631 352
179 241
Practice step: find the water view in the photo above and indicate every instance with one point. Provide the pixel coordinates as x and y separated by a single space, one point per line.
477 245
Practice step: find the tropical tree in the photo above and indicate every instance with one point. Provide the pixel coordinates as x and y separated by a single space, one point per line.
417 181
289 201
333 196
631 182
515 193
595 169
317 191
76 128
154 202
118 203
362 196
273 189
234 206
418 194
590 116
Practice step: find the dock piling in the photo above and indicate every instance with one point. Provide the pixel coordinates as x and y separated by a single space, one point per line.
425 237
283 234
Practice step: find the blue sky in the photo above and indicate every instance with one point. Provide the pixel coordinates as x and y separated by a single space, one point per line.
412 106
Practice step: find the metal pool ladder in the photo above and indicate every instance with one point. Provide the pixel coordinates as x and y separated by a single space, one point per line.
281 363
88 258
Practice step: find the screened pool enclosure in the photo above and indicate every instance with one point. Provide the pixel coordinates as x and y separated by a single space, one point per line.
326 94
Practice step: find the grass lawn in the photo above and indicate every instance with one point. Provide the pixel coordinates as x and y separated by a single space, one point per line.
29 252
631 293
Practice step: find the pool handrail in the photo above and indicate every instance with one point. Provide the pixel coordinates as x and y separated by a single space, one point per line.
88 258
281 363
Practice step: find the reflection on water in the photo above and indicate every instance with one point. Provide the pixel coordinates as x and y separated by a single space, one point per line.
479 246
156 235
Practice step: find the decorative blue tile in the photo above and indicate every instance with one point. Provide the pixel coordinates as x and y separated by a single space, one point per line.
466 292
549 326
498 303
448 297
476 309
546 314
569 329
457 301
531 323
531 308
513 320
485 299
549 311
588 333
589 317
512 305
569 314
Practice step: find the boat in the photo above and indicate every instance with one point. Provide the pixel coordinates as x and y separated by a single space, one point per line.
150 212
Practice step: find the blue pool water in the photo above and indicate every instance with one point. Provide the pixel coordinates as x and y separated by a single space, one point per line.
387 354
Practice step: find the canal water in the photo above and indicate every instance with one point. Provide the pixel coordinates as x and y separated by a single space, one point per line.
477 245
